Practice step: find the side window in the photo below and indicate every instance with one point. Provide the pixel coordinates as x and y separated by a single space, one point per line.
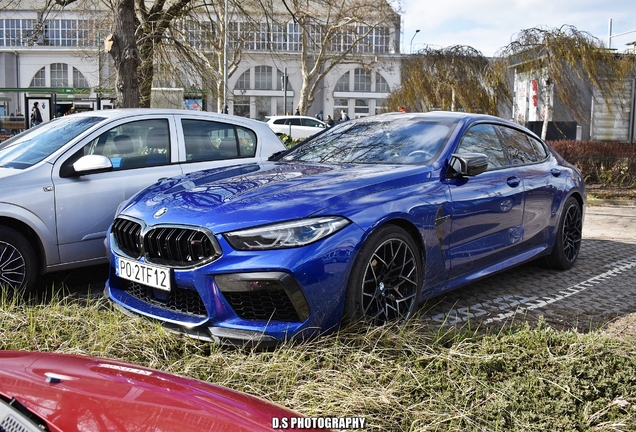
279 121
293 121
247 142
208 140
519 147
539 148
483 138
134 145
311 123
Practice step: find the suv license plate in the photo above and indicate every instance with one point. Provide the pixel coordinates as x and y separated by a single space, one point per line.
146 274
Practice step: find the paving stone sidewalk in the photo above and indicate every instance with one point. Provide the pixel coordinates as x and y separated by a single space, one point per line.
600 287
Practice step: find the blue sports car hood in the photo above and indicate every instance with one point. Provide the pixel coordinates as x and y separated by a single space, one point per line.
236 197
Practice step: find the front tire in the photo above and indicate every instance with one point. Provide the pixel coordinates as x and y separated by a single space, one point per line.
568 242
386 279
18 262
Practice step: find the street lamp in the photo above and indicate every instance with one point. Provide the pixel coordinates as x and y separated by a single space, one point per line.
416 32
610 35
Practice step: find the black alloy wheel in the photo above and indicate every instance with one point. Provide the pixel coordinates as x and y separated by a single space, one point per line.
386 279
568 241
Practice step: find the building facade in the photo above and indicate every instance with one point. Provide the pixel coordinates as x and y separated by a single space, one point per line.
57 59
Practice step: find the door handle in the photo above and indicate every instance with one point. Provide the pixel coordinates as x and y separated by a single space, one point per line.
513 181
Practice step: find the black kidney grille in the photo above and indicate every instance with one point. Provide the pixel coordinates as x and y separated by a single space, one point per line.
127 235
178 246
178 299
262 305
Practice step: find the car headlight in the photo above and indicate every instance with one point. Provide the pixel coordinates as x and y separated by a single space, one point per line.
289 234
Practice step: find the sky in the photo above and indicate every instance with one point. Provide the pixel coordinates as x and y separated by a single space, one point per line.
488 25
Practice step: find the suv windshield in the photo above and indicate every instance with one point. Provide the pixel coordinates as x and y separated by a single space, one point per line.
375 141
31 146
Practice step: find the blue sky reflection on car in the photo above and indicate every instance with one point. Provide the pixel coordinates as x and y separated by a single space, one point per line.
362 222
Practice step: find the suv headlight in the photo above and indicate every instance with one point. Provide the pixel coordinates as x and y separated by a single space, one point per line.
283 235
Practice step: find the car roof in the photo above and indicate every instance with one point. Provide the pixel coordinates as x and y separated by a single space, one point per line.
290 116
128 112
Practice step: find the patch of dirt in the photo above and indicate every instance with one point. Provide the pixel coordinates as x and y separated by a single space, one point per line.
623 327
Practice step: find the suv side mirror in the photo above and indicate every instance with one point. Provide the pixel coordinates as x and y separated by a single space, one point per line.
467 164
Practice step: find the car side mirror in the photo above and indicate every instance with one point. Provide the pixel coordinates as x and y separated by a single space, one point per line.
90 164
468 164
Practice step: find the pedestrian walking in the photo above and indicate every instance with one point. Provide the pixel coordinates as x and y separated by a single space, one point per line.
330 121
344 116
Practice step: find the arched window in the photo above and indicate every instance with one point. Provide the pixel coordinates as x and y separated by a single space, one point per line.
59 74
370 88
59 77
258 93
79 80
39 79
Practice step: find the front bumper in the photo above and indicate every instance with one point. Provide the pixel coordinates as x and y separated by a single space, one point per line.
250 297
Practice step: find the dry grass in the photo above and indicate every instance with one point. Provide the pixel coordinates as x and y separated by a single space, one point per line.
411 378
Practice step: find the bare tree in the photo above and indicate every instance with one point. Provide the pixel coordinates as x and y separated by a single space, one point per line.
565 58
332 32
457 77
122 46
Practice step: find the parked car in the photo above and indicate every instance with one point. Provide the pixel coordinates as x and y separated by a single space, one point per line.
363 222
63 392
61 182
295 126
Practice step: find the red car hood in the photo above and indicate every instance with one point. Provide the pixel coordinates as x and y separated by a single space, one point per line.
78 393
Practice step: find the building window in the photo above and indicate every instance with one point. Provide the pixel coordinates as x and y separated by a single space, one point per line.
365 44
279 37
381 86
263 106
343 83
339 104
263 77
243 82
294 33
39 79
18 32
262 37
361 80
381 40
362 106
242 106
61 32
59 75
79 80
233 34
380 106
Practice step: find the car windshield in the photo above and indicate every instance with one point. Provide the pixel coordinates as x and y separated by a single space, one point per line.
391 140
33 145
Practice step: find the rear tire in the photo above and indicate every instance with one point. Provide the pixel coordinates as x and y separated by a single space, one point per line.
18 263
568 242
386 279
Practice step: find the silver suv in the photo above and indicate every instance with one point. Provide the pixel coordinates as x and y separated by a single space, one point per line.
61 182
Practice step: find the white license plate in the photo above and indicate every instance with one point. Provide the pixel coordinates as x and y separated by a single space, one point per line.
146 274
